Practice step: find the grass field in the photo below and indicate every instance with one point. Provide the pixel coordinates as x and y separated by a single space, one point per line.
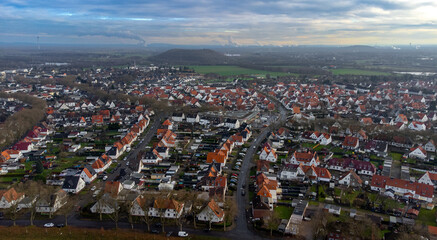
427 216
349 71
235 70
284 212
82 233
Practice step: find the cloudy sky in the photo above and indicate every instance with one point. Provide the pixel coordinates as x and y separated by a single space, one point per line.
243 22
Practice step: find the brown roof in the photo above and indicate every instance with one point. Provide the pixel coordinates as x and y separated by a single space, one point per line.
216 209
168 204
10 195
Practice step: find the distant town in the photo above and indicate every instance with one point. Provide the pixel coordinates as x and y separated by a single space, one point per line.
173 152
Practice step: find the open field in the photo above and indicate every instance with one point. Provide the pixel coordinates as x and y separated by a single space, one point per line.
350 71
235 70
283 212
81 233
427 216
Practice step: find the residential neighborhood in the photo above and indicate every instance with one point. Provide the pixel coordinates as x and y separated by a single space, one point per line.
170 151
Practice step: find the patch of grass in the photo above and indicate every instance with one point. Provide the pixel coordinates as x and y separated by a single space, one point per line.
427 216
73 233
284 212
308 145
235 70
396 156
350 71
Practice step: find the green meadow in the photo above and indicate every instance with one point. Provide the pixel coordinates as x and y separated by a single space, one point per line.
350 71
235 70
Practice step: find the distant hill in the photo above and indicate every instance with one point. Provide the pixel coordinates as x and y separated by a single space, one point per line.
359 48
190 57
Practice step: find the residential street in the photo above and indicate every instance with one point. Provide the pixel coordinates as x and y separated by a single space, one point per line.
240 231
132 157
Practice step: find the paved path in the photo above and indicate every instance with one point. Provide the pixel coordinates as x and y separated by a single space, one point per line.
241 230
124 171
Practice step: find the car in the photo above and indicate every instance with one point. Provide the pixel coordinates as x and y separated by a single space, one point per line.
155 231
169 233
254 147
61 225
105 177
243 192
127 163
182 234
49 225
93 188
234 174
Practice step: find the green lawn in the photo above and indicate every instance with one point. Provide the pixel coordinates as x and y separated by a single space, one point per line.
350 71
284 212
308 145
396 156
427 216
235 70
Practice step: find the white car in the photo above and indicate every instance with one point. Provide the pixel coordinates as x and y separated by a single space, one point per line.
182 234
93 188
49 225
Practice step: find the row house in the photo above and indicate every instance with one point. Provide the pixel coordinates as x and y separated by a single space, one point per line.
307 158
402 188
267 190
347 164
268 154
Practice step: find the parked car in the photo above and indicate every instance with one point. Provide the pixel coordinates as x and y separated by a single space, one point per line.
61 225
169 234
155 231
105 177
93 188
49 225
182 234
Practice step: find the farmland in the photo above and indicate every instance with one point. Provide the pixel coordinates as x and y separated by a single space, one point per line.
235 70
350 71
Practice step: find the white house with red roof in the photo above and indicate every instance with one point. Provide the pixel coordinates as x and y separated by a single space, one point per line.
316 174
268 155
211 213
417 126
350 179
430 146
324 139
428 178
403 188
88 174
306 158
417 152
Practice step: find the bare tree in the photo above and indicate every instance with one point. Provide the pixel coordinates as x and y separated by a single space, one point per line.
230 209
319 223
272 222
68 207
115 205
35 191
146 203
13 212
197 206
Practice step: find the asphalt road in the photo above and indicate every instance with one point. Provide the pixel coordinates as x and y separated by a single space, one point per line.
241 230
124 170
